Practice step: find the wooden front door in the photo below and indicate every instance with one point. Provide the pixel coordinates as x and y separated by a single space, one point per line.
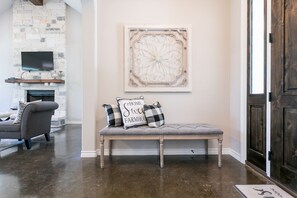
256 90
284 93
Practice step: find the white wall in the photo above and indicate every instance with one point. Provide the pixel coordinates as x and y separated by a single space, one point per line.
243 80
6 62
210 100
235 77
74 65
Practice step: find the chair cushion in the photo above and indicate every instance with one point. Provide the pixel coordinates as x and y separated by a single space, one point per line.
8 126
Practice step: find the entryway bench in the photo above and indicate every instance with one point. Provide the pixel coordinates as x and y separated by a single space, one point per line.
165 132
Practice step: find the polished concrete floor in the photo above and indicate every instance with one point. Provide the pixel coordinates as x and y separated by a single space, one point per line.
55 169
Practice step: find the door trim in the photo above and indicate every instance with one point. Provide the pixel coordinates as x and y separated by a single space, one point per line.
243 76
256 102
268 88
243 94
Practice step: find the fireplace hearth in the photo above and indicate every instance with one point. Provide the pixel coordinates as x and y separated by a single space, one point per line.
44 95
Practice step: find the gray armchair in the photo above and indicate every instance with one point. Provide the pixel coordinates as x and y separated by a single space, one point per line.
36 120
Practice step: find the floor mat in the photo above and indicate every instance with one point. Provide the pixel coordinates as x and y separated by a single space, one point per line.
262 191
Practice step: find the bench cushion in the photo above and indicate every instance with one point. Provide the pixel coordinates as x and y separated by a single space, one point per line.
167 129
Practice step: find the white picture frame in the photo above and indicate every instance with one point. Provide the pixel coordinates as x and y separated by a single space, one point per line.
157 58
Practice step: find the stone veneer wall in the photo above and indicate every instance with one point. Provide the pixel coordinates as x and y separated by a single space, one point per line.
40 28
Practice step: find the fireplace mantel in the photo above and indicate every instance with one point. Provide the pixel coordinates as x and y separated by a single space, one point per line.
34 81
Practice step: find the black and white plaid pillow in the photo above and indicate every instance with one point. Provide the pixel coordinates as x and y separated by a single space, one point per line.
154 115
113 115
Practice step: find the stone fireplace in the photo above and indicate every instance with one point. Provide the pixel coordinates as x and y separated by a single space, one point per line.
40 28
31 92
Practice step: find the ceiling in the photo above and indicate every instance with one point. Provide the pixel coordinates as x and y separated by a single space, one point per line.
75 4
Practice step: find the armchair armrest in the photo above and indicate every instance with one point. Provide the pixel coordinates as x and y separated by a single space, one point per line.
36 118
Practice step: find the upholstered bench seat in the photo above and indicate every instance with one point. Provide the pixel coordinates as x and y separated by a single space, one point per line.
165 132
167 129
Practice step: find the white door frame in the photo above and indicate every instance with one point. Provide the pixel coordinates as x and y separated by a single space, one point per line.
243 77
243 101
268 84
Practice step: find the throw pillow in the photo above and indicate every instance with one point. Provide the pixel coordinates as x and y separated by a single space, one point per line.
113 115
21 108
132 111
154 115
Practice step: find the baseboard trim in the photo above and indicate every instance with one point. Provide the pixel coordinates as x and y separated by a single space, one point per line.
235 155
88 154
73 122
211 151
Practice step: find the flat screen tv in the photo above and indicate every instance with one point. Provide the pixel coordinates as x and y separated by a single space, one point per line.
37 61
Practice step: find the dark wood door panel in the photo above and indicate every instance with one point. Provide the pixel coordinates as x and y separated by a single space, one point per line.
288 178
290 50
257 130
284 92
290 139
256 100
256 150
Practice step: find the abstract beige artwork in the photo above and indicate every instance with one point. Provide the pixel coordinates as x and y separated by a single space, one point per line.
157 59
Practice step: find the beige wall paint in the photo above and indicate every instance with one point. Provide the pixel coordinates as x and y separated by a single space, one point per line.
235 77
89 79
213 51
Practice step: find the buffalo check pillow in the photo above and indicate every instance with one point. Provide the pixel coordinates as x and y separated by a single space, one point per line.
154 115
113 115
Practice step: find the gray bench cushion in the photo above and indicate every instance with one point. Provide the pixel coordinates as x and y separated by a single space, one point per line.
167 129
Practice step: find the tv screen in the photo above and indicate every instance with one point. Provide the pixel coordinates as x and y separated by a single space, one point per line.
37 61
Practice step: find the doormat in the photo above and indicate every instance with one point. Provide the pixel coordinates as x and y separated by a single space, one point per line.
262 191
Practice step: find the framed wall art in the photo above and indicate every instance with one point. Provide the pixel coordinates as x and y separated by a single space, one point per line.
157 58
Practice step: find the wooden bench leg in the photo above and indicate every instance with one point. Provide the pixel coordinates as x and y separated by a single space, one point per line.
102 151
220 140
161 152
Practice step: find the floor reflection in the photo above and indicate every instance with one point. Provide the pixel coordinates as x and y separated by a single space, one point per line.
55 169
9 186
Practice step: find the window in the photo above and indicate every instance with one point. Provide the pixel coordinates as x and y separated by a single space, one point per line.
257 46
